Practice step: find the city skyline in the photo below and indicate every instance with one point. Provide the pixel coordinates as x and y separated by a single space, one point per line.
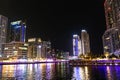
58 22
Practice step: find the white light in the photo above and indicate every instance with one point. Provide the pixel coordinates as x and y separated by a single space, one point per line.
116 64
5 48
83 30
75 35
16 22
39 46
49 60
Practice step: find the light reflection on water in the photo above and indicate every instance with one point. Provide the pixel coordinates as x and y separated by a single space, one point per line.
81 73
58 71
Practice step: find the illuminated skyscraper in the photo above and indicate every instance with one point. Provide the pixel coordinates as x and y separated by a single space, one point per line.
3 30
112 13
76 45
111 37
17 31
81 45
85 42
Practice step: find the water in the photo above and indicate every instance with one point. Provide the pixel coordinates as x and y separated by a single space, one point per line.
58 71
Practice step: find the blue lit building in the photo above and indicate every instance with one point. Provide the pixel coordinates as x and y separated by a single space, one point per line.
17 31
81 44
75 45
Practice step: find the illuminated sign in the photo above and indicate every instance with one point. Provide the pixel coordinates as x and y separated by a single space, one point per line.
31 40
15 23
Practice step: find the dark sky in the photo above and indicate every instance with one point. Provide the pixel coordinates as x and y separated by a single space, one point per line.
58 20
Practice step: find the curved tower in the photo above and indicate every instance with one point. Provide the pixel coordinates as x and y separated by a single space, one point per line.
111 37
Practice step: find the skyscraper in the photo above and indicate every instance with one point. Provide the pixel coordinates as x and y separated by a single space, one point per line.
17 31
111 37
85 42
3 30
76 45
112 13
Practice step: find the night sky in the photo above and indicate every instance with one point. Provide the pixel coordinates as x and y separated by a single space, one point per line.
58 20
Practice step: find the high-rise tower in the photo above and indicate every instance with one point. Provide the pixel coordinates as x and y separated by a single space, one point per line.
3 30
17 31
85 42
81 44
111 37
76 45
112 13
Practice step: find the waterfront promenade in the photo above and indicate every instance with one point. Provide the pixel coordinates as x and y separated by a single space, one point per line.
76 62
79 62
7 62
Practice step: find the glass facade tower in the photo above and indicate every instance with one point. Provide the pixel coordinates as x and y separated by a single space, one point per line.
17 31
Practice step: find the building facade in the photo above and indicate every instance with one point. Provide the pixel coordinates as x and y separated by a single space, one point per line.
85 43
3 31
17 31
16 50
34 49
111 37
45 49
38 48
76 45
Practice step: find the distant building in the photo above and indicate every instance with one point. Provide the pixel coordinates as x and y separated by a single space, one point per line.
38 48
76 45
16 50
17 31
3 31
81 45
85 42
45 49
111 37
66 55
34 49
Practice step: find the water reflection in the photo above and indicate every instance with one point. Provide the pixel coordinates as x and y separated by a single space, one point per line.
58 71
81 73
49 71
108 73
113 73
96 73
